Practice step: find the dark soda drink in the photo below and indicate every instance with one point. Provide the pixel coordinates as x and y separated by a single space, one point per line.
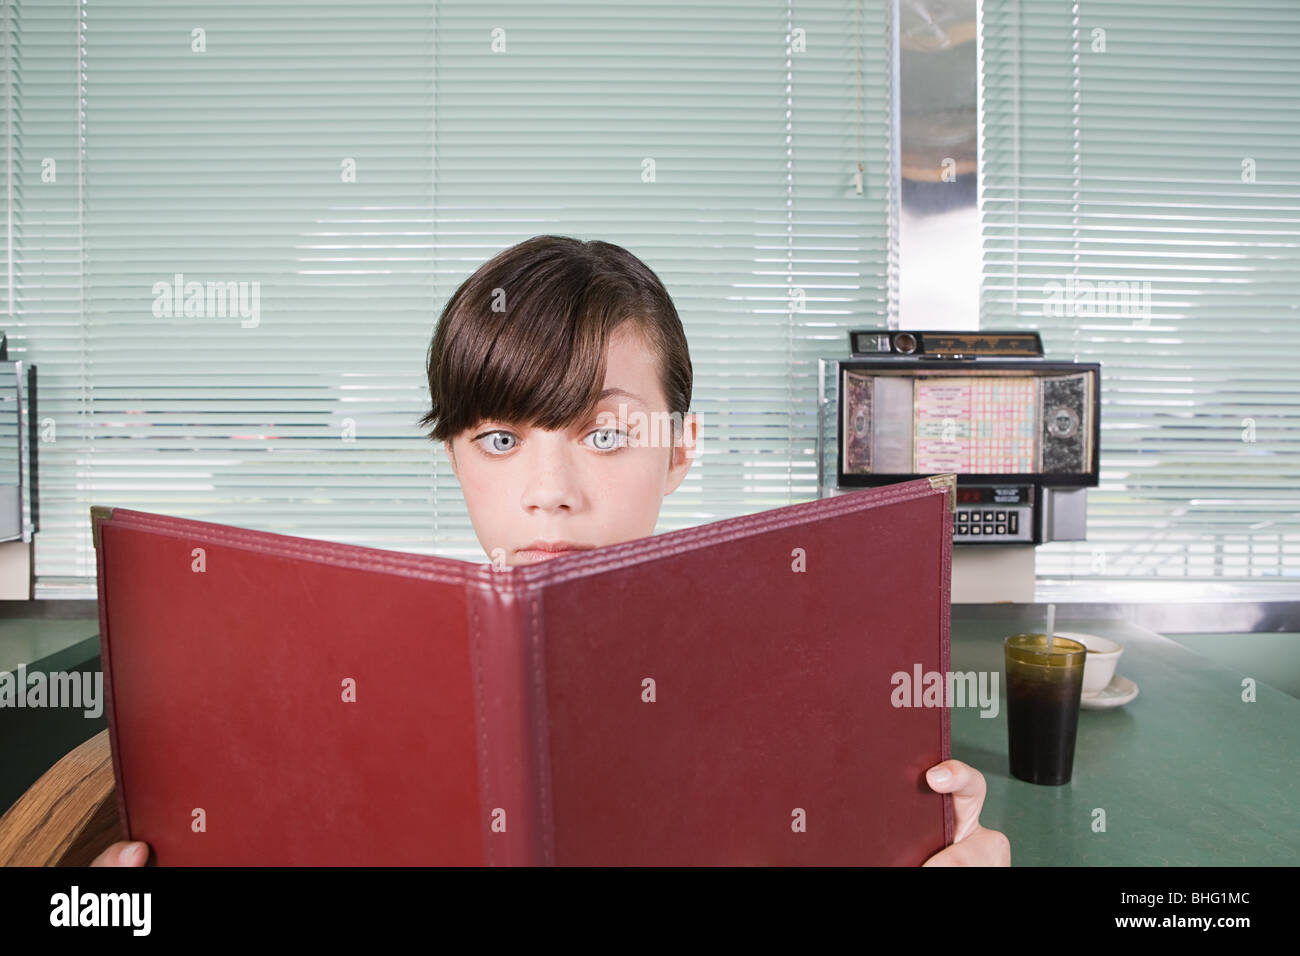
1044 684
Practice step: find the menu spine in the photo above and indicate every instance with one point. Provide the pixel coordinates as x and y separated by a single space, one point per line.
511 730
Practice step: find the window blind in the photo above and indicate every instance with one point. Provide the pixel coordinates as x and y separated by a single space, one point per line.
329 172
1141 207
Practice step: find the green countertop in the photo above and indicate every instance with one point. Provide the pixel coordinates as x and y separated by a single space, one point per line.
1187 773
33 738
55 644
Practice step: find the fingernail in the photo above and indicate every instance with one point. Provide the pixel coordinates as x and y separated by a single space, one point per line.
942 775
131 853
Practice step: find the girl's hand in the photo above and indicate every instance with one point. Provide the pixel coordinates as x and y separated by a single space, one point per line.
972 844
123 854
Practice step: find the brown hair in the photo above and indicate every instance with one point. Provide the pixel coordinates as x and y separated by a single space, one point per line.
523 339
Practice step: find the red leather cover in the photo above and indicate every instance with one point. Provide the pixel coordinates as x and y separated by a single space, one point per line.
502 717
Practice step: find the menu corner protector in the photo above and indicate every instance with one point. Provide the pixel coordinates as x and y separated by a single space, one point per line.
948 483
98 513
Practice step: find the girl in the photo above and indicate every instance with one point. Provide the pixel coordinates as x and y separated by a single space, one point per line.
540 360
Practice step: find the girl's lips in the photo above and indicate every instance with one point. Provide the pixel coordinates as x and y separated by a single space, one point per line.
534 556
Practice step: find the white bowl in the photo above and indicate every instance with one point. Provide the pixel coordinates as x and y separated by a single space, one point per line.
1099 666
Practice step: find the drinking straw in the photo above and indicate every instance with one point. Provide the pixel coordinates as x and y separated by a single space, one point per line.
1051 623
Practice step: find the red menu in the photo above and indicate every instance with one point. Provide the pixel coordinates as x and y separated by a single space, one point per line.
715 695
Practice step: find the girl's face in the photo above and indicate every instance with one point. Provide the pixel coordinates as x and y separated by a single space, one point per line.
600 482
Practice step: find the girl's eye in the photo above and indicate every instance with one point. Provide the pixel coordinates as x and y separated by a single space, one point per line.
608 439
492 437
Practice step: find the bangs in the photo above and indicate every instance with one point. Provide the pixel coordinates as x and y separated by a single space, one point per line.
523 340
535 369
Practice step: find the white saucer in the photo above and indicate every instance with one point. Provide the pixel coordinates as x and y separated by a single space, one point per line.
1119 691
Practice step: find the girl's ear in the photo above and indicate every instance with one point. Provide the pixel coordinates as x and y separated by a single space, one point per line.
683 453
451 456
